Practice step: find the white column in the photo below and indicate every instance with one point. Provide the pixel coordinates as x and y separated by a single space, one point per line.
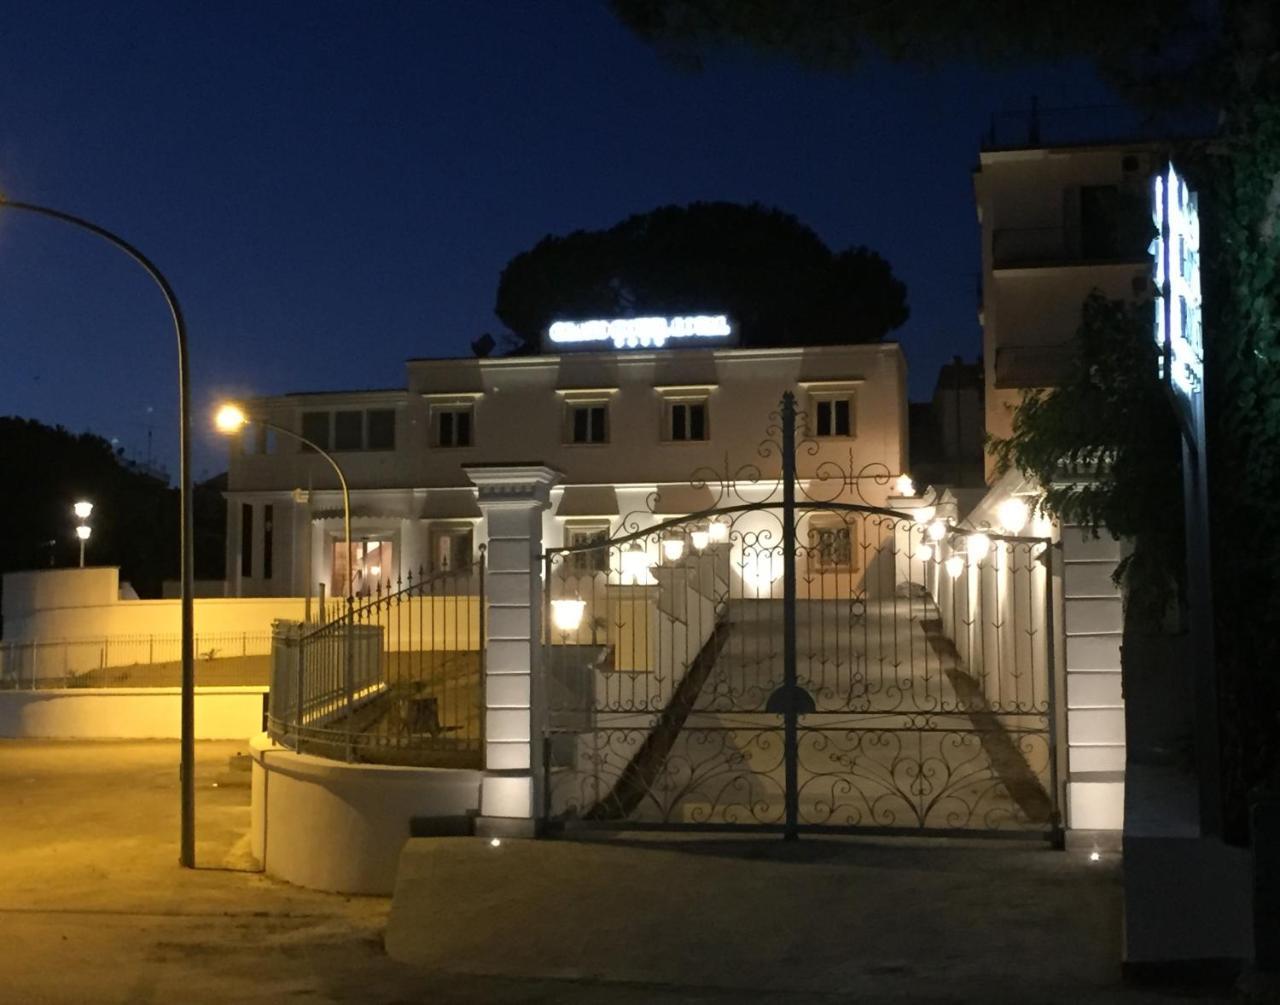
234 579
512 498
1094 623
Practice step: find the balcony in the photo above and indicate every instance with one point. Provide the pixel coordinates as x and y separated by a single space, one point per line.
1058 247
1101 225
1028 366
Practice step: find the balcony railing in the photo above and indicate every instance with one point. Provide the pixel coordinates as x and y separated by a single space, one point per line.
1039 247
1087 125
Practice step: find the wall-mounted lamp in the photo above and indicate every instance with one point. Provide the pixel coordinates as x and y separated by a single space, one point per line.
1013 514
566 614
635 563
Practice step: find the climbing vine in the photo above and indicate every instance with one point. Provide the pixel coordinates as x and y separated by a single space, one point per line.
1241 250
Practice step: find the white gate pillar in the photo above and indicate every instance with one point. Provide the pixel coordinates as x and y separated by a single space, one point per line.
1093 618
512 498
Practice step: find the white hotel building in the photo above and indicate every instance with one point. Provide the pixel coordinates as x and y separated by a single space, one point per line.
630 429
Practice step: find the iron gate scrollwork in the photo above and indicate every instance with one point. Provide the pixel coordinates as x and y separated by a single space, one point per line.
797 658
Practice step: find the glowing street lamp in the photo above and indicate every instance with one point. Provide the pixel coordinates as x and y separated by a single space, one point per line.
719 531
979 547
82 532
937 530
231 418
955 566
82 509
700 538
904 486
673 548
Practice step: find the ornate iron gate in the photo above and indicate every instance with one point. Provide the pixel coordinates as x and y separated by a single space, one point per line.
791 660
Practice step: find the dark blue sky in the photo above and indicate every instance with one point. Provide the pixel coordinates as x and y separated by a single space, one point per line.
334 187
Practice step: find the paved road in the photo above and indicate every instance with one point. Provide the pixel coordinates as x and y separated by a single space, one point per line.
94 909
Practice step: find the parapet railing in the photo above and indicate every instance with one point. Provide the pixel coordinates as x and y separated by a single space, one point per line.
396 680
134 660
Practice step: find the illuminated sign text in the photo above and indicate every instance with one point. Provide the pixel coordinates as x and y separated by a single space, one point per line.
635 333
1176 249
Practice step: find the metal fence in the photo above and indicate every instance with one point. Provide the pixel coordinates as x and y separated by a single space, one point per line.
141 660
802 663
398 680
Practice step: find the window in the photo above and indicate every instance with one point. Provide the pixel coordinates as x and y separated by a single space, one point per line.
586 563
451 549
315 427
382 429
246 541
686 420
348 430
453 427
371 563
833 417
588 423
268 525
1115 222
352 429
831 544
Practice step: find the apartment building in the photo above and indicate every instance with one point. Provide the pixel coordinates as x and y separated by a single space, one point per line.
1057 223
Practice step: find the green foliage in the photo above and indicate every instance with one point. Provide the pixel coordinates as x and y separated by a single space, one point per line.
135 520
1241 248
773 275
1106 445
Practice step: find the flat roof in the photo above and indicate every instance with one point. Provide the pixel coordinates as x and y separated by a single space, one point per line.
648 355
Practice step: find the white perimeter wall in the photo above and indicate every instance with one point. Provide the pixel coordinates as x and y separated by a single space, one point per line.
222 713
340 827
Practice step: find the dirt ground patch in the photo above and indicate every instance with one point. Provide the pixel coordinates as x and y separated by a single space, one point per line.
94 909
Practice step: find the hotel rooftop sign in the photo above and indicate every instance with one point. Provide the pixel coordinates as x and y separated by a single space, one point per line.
642 333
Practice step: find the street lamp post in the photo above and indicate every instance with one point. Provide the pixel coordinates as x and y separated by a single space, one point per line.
82 532
82 509
231 418
187 848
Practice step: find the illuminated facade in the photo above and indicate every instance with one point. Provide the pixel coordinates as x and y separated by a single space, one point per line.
630 429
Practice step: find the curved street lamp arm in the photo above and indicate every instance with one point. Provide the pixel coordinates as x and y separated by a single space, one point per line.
187 850
124 246
342 480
